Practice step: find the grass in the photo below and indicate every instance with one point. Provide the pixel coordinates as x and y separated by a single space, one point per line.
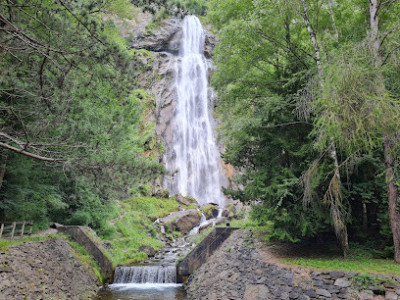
379 266
4 244
84 257
200 236
135 228
361 259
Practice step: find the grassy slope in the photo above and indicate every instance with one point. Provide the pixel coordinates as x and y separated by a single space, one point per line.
134 228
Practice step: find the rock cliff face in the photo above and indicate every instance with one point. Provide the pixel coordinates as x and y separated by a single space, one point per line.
159 80
163 44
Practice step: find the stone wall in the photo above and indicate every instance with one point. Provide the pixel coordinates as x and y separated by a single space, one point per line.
79 234
237 271
46 269
202 252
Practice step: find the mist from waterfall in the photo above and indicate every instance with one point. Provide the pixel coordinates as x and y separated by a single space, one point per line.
195 166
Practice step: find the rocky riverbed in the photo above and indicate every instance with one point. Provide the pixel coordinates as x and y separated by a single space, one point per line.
239 270
44 269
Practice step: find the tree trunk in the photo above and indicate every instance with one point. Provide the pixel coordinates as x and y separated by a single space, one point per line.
2 173
3 168
331 5
333 191
392 193
364 217
335 203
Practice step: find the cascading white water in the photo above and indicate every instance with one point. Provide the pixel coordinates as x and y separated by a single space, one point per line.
145 274
196 163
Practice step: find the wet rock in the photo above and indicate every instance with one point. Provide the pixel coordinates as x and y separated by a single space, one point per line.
150 251
182 221
166 37
210 211
209 45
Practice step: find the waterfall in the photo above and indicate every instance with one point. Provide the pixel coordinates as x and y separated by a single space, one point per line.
195 159
145 274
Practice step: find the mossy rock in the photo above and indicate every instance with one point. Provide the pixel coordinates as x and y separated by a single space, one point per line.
162 193
191 200
210 211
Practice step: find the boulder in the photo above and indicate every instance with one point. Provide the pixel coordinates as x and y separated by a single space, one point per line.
181 199
161 193
256 292
182 221
390 296
210 211
186 200
342 282
324 293
366 295
149 250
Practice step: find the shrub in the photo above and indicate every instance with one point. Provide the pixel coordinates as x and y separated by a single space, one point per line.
80 218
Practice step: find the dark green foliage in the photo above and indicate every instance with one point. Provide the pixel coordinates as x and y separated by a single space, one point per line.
80 218
280 118
71 113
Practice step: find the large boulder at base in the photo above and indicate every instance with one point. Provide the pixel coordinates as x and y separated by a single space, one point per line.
149 250
182 221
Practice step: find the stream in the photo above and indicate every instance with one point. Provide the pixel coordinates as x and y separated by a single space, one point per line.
155 279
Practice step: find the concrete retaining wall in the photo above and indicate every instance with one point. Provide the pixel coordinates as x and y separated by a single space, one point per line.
202 252
79 234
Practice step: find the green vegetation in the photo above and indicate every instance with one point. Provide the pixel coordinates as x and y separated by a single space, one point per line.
309 108
85 258
74 129
208 210
197 238
363 281
133 228
309 113
77 250
383 266
195 7
4 244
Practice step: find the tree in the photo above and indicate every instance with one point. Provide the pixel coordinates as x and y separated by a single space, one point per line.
306 64
68 101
